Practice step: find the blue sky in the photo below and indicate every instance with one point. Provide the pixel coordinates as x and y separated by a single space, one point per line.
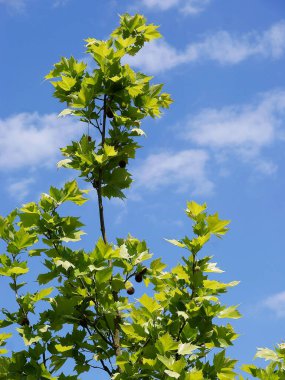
221 142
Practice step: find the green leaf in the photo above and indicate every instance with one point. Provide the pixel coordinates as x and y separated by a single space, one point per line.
24 239
172 374
157 265
166 343
216 285
110 150
65 112
4 336
249 368
64 264
217 226
149 303
16 270
67 83
44 278
64 163
104 275
212 268
194 375
181 272
230 312
138 131
73 194
168 362
42 294
28 337
186 348
267 354
194 209
176 242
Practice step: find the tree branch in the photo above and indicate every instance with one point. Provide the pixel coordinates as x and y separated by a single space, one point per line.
99 185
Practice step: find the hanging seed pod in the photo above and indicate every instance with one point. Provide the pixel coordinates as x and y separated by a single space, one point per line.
131 291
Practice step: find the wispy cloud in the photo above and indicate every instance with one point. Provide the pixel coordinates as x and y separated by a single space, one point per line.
19 189
244 130
183 170
276 303
33 140
222 47
185 6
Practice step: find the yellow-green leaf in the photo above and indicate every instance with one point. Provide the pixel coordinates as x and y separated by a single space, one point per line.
186 348
110 150
61 348
149 303
4 336
230 312
175 242
42 294
194 209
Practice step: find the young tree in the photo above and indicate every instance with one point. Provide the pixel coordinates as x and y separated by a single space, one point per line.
87 319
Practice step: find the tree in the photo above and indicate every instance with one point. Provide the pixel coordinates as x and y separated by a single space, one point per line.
87 318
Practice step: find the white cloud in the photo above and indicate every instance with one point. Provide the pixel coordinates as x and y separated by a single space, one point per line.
241 129
156 57
276 303
185 6
222 47
33 140
17 5
184 170
19 189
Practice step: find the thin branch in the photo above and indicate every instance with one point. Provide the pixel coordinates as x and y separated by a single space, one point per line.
117 320
14 277
44 360
96 125
128 276
105 367
104 120
99 186
102 368
101 208
99 333
180 330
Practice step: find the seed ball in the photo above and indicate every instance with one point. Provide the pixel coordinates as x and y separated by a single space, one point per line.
138 277
122 164
131 291
89 138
